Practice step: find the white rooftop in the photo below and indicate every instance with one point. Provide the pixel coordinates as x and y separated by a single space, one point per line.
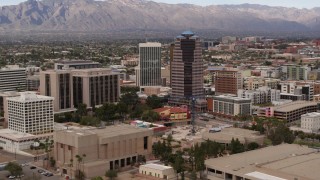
156 166
28 97
313 114
19 136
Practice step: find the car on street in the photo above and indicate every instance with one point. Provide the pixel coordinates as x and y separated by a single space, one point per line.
12 177
40 171
49 174
33 167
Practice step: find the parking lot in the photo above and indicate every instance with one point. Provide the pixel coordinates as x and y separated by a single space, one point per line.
27 163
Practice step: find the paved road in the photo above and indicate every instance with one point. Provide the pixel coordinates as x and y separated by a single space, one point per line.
26 169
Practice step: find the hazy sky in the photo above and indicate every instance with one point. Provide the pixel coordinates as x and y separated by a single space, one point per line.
287 3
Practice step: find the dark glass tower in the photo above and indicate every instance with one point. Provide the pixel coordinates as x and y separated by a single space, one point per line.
187 68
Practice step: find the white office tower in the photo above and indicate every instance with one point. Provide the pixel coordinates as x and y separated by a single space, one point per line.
30 113
149 64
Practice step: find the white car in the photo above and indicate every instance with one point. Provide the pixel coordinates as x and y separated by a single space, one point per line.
12 177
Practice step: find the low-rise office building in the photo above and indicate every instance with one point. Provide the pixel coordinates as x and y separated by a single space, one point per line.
285 161
109 148
157 171
231 106
16 142
261 95
311 121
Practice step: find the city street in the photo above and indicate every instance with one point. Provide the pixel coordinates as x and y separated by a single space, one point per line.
26 169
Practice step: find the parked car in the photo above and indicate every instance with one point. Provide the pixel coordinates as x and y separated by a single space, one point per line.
49 174
33 167
40 171
12 177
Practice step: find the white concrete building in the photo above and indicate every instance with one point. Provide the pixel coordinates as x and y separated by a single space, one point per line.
15 142
232 106
157 171
30 113
260 96
311 121
12 78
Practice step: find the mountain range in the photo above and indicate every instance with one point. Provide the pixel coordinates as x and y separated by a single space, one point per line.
131 15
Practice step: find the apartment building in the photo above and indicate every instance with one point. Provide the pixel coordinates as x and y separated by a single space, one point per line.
228 82
297 72
254 82
295 91
109 148
311 121
92 87
30 113
231 106
260 96
12 78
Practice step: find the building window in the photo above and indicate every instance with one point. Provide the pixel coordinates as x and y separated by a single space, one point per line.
145 142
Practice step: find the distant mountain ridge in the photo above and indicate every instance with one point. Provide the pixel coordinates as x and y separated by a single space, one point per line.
127 15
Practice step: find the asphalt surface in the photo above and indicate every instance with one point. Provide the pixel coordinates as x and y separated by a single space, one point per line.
26 169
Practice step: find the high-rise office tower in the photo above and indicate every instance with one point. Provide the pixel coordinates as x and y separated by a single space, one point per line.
187 68
149 68
30 113
228 82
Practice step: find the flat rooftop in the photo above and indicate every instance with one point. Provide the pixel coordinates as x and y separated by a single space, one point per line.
226 135
287 161
313 114
294 106
156 166
19 136
76 62
107 132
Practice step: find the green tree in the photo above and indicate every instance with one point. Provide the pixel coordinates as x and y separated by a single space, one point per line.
179 164
138 110
252 146
89 121
14 168
235 146
130 99
107 112
281 134
82 109
150 116
111 174
97 178
154 102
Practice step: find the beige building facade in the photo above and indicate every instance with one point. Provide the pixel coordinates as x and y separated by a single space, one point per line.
113 147
71 87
